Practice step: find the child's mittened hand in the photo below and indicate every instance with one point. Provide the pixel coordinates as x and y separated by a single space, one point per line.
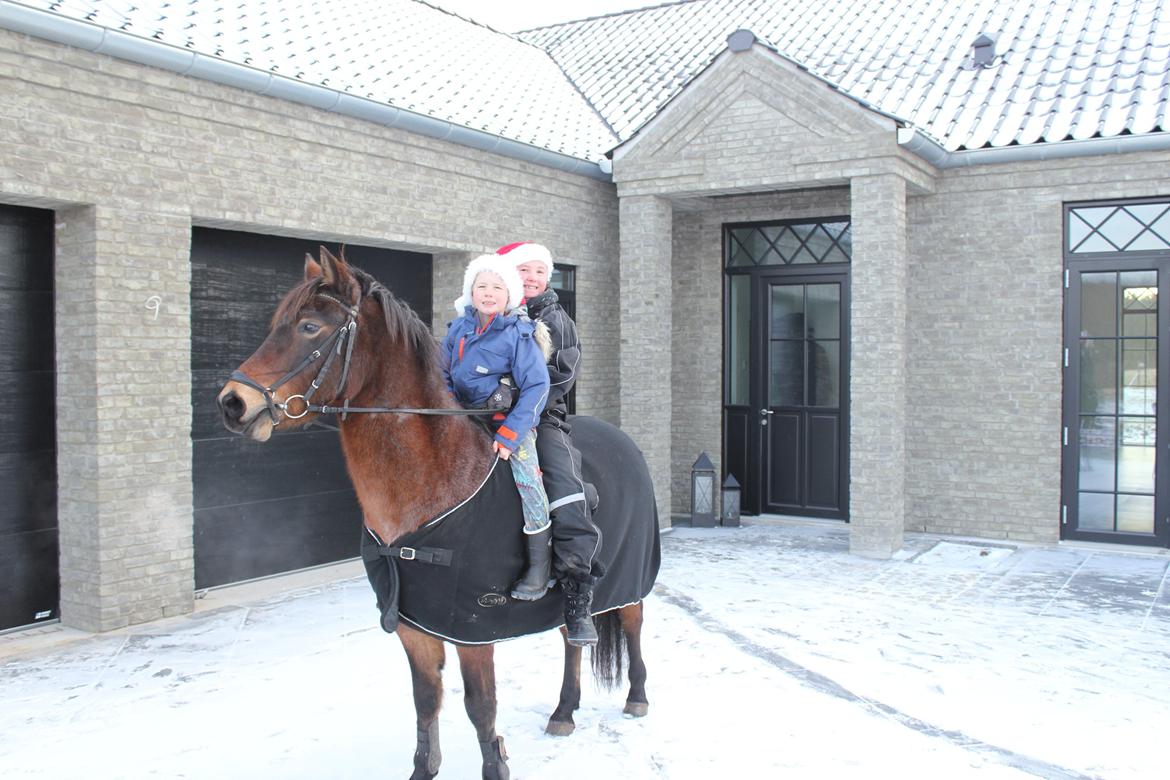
502 451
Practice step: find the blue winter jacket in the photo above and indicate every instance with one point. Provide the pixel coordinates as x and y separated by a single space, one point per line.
473 363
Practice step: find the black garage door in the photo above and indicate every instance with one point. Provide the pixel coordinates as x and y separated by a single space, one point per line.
285 504
28 440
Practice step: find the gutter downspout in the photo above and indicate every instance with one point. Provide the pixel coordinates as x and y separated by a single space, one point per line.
114 43
914 140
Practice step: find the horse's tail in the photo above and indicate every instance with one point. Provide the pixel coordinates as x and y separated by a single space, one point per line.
610 651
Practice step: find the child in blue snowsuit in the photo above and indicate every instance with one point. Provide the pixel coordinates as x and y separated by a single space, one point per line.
487 342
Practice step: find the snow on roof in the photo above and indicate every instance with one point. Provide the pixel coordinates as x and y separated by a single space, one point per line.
401 52
1056 69
1061 69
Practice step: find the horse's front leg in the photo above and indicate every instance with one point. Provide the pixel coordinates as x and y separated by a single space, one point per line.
426 656
477 663
561 724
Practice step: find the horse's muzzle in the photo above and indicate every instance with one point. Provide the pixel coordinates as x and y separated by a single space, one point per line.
231 410
236 416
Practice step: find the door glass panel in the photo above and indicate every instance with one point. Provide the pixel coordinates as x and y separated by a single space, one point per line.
787 311
1135 514
1098 376
1095 512
824 373
824 311
1139 303
1098 443
1139 373
1135 455
786 380
738 338
1098 305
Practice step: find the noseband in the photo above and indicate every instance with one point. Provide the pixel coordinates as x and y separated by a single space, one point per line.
341 339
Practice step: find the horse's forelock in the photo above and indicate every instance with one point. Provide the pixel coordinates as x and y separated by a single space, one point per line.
294 301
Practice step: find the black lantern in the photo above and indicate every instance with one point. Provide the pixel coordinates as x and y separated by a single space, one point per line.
703 493
730 503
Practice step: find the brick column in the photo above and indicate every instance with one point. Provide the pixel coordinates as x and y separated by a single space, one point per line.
877 436
645 285
123 324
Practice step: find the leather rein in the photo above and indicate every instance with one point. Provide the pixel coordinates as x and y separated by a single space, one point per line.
341 340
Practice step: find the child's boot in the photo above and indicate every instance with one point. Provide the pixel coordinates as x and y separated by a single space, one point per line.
533 583
578 618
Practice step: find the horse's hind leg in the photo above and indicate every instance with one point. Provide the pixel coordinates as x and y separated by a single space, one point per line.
477 663
426 658
561 724
631 618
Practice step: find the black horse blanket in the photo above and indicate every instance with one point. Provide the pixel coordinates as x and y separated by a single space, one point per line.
452 577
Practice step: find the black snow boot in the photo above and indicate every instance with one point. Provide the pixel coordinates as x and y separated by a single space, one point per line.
533 582
578 618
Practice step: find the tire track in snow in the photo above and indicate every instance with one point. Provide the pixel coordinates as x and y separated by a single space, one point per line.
823 684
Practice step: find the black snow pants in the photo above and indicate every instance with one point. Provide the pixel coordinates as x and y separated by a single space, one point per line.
576 540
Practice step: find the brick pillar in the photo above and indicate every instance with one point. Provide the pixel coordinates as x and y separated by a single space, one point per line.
123 324
877 436
645 285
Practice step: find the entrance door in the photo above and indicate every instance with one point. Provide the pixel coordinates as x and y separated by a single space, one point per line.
786 395
1114 396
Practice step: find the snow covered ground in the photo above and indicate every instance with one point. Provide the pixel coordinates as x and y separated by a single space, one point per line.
771 651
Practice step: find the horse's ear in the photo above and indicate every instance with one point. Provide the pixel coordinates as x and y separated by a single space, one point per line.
336 273
312 268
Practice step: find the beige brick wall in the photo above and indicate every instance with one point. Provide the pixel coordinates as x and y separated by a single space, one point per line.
985 375
131 157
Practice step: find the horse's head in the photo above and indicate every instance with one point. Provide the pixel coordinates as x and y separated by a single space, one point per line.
305 357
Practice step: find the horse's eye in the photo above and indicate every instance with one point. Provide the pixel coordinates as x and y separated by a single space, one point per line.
310 327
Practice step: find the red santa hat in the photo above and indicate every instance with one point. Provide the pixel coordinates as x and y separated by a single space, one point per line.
499 266
526 252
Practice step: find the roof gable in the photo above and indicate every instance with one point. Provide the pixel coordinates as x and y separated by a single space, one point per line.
749 103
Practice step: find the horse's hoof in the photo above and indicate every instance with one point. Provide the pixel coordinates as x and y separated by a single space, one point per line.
560 728
637 709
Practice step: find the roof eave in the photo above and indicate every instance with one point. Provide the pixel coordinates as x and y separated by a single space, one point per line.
915 141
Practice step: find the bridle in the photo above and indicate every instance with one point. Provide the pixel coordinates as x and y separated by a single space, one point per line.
341 340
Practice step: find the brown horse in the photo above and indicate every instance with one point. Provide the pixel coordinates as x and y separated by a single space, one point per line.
409 467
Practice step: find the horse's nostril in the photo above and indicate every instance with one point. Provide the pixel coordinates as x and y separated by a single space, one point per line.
231 405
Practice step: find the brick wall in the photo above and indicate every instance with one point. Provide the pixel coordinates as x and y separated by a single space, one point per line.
131 157
985 340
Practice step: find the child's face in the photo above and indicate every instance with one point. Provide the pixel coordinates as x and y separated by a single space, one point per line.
489 294
535 278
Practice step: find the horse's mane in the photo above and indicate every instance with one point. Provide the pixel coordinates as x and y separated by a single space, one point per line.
402 323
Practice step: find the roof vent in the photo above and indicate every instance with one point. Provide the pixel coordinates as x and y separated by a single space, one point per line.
983 52
741 40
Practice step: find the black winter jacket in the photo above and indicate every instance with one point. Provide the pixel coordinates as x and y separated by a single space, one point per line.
566 354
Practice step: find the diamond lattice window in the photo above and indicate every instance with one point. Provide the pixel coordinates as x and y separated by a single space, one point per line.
799 243
1135 227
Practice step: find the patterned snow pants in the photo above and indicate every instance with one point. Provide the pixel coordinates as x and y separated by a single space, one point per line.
526 471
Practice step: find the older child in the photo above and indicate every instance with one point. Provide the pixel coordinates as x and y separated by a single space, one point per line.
487 342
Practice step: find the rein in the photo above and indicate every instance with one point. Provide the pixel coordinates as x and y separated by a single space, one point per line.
344 338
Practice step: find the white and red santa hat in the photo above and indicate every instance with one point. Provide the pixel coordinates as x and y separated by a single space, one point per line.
526 252
501 267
